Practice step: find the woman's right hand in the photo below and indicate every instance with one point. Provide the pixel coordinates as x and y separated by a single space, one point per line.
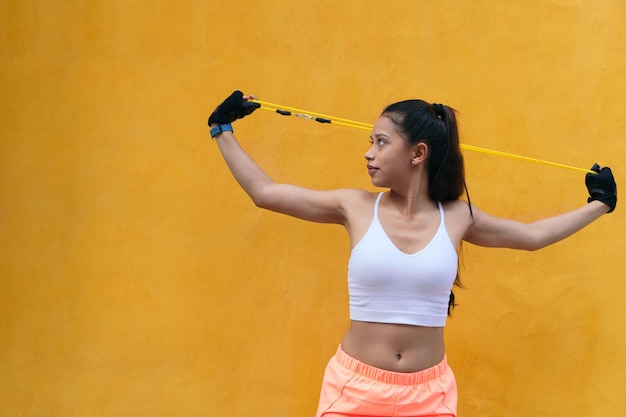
236 106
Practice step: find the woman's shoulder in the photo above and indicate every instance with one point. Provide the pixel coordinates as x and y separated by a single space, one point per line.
454 206
359 212
458 215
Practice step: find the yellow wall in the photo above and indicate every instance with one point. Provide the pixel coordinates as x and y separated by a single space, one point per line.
137 279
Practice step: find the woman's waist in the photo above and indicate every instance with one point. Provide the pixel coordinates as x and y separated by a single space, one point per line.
394 347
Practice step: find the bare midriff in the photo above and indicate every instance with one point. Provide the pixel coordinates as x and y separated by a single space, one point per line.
394 347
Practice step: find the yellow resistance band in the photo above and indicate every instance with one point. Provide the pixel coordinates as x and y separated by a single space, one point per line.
323 118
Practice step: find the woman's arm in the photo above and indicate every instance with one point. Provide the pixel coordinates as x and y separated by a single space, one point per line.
304 203
486 230
307 204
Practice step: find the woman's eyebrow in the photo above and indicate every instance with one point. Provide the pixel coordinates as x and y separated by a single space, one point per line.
375 135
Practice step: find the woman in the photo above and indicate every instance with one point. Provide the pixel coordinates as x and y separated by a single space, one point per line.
404 243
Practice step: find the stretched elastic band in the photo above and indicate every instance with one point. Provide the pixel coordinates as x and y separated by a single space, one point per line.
324 118
389 377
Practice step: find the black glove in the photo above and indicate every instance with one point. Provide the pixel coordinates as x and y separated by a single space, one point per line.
602 186
233 108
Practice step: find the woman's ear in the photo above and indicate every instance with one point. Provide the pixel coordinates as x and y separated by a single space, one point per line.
420 152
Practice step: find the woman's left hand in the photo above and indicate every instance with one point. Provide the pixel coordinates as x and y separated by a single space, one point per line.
602 186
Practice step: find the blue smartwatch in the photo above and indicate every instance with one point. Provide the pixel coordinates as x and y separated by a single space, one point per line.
216 130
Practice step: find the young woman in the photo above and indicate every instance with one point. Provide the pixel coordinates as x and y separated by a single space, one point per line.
404 243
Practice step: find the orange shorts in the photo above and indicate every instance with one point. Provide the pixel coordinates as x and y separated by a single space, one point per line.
352 388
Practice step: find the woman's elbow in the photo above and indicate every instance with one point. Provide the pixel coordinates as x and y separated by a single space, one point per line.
535 243
527 240
264 197
533 248
260 200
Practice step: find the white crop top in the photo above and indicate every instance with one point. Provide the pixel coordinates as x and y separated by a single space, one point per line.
387 285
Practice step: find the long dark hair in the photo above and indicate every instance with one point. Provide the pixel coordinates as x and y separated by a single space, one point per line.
436 126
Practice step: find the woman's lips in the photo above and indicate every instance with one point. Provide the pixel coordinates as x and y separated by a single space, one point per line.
371 169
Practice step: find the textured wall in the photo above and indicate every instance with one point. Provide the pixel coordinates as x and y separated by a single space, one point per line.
137 279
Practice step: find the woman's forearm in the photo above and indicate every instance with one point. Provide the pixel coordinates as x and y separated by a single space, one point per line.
246 171
553 229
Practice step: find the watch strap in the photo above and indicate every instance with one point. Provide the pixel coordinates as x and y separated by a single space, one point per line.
216 130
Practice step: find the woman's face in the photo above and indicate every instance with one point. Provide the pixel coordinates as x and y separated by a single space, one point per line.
389 159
